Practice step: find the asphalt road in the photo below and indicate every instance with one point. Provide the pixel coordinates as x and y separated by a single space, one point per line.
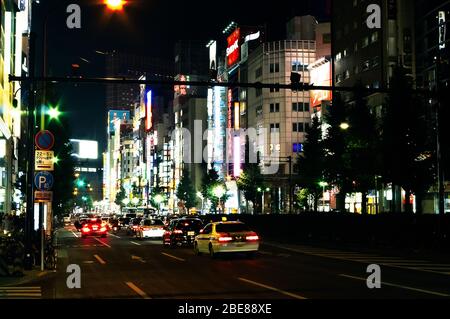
123 267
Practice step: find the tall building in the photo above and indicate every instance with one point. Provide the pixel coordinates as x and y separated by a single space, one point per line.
131 66
14 30
368 56
190 112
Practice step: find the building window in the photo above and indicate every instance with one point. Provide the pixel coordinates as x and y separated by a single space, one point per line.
326 38
300 127
258 92
274 67
258 72
298 66
275 128
274 107
272 90
300 107
297 148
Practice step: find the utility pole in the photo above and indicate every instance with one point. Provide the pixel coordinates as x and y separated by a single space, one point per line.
31 110
291 197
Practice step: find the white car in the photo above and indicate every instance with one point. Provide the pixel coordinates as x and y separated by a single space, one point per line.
226 237
150 228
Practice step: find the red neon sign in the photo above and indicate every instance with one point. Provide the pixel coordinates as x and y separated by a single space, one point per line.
233 49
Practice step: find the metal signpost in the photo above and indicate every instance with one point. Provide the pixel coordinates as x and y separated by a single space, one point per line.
43 179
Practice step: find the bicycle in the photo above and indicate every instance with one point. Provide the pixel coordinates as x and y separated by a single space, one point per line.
50 254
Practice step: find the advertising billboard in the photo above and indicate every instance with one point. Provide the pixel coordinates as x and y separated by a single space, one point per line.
233 48
85 149
123 116
320 73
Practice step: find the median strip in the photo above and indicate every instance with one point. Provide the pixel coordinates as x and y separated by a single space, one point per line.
400 286
174 257
295 296
100 260
104 244
137 290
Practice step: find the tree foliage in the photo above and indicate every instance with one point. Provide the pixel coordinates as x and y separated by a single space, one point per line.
186 191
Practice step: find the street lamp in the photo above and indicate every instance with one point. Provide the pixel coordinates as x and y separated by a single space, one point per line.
323 185
200 195
54 113
344 126
219 191
115 5
135 201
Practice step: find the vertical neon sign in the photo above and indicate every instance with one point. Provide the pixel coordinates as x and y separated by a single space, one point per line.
148 112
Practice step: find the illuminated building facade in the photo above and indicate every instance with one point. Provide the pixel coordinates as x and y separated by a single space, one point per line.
14 30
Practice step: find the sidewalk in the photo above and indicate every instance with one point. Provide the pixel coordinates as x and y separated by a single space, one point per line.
26 278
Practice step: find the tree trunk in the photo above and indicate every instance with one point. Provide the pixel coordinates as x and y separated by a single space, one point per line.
408 206
364 203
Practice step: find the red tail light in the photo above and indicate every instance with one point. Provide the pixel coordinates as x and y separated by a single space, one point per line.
225 239
252 238
85 230
103 229
177 231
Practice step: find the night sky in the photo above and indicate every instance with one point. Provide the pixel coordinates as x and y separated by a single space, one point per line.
149 27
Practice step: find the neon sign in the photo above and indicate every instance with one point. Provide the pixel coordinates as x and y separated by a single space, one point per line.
233 49
148 112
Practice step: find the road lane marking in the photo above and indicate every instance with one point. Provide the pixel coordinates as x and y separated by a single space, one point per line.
174 257
272 288
100 260
20 292
88 262
74 234
138 258
137 290
104 244
400 286
135 243
115 236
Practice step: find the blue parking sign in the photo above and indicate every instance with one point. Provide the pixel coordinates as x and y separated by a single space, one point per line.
43 181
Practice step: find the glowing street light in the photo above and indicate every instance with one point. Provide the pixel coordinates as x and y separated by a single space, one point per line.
219 191
323 185
344 126
115 5
54 113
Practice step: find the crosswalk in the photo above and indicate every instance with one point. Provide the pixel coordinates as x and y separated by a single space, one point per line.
20 293
369 258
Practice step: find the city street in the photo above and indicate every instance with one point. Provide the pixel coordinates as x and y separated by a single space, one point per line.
122 267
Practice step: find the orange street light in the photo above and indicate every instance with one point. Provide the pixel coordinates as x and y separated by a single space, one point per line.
115 5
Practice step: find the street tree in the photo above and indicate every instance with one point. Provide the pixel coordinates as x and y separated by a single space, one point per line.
337 163
311 162
406 145
186 191
363 146
251 178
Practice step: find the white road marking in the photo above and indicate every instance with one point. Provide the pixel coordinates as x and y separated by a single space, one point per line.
115 236
100 260
135 243
104 244
400 286
174 257
75 234
272 288
137 290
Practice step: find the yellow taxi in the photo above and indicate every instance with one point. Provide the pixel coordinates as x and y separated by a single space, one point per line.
226 237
